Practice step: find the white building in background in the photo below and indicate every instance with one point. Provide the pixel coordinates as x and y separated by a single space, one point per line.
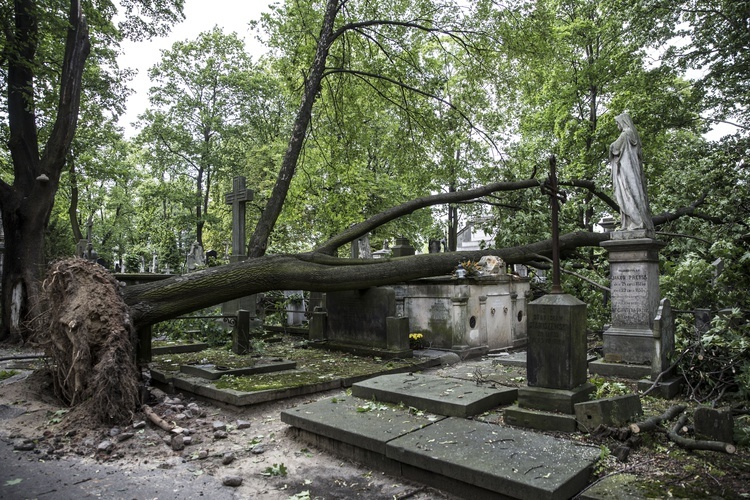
471 237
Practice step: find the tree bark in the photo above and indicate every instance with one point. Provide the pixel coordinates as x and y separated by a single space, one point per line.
27 204
158 301
259 240
651 423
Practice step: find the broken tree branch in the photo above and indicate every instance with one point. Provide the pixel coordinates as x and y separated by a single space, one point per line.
694 444
160 422
651 423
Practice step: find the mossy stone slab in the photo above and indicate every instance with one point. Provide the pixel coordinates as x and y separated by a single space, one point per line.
214 372
365 424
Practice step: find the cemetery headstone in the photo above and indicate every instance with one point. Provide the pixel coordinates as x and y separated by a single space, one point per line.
402 248
640 339
295 307
195 257
362 322
238 198
556 368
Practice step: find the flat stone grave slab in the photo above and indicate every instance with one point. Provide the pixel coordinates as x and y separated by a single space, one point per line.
214 372
360 423
440 395
179 348
508 461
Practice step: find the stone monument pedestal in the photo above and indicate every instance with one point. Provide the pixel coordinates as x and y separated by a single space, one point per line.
634 278
556 365
641 339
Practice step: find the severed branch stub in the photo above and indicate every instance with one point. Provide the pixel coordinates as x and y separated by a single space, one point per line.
160 422
695 444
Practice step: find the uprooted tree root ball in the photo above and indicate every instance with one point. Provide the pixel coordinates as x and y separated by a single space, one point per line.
90 341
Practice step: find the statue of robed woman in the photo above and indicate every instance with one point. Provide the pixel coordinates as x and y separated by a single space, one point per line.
628 179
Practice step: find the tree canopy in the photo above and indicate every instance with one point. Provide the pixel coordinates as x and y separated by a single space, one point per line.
392 118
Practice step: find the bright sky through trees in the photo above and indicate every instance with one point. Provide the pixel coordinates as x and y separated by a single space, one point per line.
200 16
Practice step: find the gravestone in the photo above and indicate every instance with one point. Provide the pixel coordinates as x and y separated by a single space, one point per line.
402 248
634 278
640 340
556 366
195 258
237 198
362 322
296 307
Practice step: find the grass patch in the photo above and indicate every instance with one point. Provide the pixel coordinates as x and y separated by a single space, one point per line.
8 373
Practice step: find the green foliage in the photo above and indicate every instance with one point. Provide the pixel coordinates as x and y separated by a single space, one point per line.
275 470
716 364
7 374
209 330
602 462
607 389
742 430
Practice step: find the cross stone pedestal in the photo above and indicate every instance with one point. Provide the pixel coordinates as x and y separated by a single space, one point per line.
556 365
237 198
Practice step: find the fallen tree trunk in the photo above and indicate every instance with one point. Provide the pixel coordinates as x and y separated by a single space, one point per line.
161 300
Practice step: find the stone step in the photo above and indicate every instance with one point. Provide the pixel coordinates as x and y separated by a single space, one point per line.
444 396
468 458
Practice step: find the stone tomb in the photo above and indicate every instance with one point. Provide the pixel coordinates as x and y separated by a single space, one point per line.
468 458
468 313
362 322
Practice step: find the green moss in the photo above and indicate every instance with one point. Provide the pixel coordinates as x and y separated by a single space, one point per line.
313 365
7 374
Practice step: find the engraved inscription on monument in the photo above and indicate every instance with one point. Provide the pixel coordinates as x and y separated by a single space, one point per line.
549 326
630 297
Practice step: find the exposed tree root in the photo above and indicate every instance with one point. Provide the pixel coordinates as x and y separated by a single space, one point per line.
90 340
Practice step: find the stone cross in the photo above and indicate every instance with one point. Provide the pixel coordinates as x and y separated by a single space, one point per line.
237 198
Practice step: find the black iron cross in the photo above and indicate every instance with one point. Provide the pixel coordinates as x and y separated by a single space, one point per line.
550 188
